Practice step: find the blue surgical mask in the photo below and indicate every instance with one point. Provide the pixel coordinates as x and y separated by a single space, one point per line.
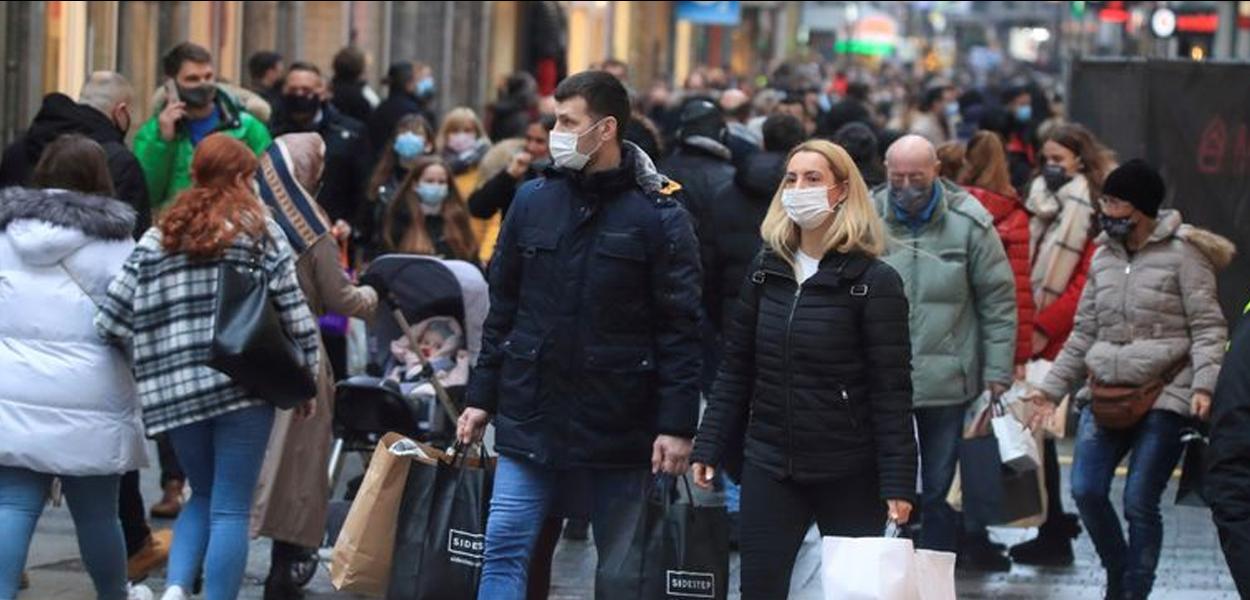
409 145
432 194
425 86
952 109
1024 113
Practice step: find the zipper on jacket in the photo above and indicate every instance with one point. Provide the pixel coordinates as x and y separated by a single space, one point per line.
846 403
794 306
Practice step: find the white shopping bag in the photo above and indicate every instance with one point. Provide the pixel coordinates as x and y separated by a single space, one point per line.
1016 445
885 568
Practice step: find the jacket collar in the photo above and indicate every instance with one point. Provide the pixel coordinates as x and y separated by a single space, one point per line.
835 268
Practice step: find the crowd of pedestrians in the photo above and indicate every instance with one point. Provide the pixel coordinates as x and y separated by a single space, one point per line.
794 292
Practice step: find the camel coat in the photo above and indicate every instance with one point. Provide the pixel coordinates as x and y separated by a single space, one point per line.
294 487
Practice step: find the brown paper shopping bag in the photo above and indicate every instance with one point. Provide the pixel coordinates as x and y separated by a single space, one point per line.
362 555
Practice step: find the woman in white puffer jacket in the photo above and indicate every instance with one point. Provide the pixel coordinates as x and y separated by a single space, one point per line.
68 405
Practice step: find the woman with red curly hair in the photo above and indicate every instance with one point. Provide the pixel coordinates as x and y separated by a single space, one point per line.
161 309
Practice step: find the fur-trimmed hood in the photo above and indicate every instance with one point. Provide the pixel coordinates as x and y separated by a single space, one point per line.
47 225
1217 248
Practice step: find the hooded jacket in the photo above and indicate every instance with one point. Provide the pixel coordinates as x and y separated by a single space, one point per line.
167 164
60 115
730 237
68 404
1142 313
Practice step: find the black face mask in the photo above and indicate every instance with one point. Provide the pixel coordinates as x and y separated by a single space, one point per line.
1117 228
198 96
301 105
1055 177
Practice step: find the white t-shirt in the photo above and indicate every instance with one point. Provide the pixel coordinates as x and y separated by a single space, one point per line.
807 266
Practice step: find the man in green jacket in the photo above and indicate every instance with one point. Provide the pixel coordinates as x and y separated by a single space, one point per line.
167 141
963 325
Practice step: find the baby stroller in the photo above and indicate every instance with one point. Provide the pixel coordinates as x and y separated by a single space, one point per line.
421 345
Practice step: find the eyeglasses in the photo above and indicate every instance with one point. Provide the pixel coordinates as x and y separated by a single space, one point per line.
898 180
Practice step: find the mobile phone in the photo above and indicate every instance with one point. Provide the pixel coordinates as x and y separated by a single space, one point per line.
171 91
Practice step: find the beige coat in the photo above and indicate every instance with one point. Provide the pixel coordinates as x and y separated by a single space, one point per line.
1142 313
292 495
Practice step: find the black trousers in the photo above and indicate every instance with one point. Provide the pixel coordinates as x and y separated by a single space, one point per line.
777 513
171 469
1054 496
130 510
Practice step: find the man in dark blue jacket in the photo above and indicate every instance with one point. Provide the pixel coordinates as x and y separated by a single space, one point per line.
590 356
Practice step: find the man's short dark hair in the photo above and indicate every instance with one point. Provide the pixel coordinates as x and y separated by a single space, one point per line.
399 75
858 91
932 97
261 62
546 120
300 65
782 132
184 53
603 93
349 64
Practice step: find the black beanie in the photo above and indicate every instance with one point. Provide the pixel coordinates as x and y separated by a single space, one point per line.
1137 183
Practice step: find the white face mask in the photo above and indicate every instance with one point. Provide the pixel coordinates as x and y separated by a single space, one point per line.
564 152
808 207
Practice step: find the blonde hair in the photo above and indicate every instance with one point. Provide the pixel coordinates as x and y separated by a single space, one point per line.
856 225
457 118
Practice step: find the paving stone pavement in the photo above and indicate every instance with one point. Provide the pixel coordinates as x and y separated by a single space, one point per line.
1191 567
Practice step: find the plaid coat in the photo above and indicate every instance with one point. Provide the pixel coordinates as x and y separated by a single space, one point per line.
161 306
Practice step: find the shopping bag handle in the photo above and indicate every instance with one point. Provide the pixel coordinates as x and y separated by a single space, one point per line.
892 530
460 452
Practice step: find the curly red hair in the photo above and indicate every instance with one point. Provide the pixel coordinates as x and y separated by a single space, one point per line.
220 206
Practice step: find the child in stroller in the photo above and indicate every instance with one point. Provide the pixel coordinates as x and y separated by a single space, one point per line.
440 350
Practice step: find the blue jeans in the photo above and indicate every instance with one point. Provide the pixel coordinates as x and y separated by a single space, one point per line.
940 430
1155 444
221 457
93 505
524 495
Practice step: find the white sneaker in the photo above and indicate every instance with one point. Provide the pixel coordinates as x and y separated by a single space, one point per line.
139 592
174 592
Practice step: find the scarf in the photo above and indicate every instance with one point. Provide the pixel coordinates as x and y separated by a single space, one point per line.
1058 234
291 204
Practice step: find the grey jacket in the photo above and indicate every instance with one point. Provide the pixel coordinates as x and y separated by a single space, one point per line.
1142 313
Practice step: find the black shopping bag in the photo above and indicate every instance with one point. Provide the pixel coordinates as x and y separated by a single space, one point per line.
992 493
1189 491
678 551
440 536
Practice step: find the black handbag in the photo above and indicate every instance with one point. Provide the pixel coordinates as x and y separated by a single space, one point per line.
250 345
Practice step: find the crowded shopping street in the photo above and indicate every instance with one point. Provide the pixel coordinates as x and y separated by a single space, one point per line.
518 300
